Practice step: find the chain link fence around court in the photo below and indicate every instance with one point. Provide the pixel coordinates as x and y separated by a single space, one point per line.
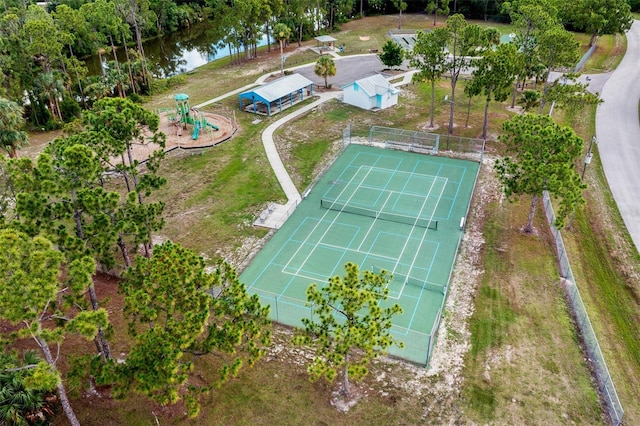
422 142
596 359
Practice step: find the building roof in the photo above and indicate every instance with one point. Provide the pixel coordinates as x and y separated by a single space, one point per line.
278 88
374 85
325 39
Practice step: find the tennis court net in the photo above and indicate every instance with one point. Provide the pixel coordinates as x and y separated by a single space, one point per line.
402 280
418 283
392 217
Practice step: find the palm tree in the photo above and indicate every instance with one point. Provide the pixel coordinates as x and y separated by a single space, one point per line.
325 67
96 88
51 89
529 100
20 404
11 122
401 6
281 32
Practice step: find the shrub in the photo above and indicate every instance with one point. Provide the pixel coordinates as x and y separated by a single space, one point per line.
70 109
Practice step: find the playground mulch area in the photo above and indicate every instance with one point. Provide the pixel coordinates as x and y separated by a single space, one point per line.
206 137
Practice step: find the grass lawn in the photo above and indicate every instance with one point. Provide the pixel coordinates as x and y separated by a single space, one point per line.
213 198
525 361
607 55
606 263
524 364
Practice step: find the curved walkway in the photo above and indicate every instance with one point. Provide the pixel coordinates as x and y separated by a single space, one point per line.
277 214
618 134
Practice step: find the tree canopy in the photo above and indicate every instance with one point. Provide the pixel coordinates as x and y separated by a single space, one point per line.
465 41
29 270
178 313
12 135
325 68
430 58
26 389
598 17
349 326
493 75
542 156
281 32
391 55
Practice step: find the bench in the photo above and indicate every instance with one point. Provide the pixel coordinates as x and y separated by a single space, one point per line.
263 216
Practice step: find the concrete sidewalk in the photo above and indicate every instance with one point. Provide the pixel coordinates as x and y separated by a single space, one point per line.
277 214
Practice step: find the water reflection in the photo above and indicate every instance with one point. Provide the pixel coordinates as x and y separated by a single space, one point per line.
176 53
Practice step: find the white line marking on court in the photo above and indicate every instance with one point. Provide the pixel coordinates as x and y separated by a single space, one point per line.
358 251
356 187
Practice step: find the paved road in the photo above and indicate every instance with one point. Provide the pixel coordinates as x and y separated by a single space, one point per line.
348 70
618 133
595 82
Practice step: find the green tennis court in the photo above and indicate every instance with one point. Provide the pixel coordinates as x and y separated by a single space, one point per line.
380 209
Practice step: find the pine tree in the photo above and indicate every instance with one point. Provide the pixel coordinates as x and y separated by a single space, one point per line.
29 270
178 313
349 326
542 157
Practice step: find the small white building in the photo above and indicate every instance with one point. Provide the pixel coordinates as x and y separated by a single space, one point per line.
371 93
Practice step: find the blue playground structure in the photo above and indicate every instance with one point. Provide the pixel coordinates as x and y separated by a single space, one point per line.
185 115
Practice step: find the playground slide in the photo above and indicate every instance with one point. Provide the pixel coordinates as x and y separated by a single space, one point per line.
206 123
196 130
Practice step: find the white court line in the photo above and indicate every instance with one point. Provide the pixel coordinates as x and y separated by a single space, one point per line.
434 179
360 251
332 222
399 172
316 280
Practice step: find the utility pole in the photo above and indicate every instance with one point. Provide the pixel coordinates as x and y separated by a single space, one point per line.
587 161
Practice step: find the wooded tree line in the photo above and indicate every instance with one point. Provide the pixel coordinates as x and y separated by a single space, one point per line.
41 51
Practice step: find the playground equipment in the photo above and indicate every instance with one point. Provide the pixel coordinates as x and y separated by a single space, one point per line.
200 122
185 115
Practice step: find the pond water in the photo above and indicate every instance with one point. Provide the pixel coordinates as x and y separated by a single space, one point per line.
176 53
